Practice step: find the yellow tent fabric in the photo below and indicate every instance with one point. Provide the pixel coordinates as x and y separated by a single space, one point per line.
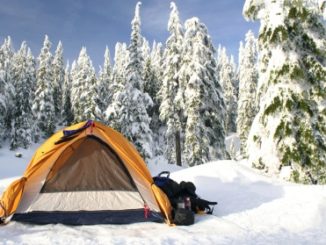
48 153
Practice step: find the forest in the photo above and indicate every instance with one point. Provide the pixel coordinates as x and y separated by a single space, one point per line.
182 98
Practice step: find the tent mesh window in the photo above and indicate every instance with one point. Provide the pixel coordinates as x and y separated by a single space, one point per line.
88 165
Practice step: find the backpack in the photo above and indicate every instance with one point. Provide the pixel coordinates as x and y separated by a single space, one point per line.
175 192
170 187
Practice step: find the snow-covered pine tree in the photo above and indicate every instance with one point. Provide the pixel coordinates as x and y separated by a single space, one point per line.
121 59
204 104
136 54
31 72
7 91
43 105
66 113
289 129
127 112
58 79
3 105
6 88
24 80
151 75
170 110
220 55
83 89
104 83
248 77
153 82
227 76
235 79
145 53
157 61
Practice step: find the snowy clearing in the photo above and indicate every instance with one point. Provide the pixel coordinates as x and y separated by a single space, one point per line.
252 209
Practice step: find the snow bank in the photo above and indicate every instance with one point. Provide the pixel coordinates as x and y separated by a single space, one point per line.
252 209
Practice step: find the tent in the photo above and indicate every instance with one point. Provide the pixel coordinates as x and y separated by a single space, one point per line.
85 174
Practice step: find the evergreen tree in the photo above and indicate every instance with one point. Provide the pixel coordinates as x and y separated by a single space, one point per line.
121 59
104 82
151 87
248 76
289 129
43 105
204 105
58 79
127 113
156 57
145 53
24 80
235 80
83 89
227 76
170 108
221 54
31 73
7 91
66 113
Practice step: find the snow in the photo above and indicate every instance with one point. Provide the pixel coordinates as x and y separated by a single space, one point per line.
252 209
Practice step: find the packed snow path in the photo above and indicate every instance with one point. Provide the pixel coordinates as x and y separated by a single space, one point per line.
252 209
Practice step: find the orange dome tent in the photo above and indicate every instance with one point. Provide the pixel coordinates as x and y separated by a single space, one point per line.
85 174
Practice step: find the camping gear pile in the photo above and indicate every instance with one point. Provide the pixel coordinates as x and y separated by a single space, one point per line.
183 198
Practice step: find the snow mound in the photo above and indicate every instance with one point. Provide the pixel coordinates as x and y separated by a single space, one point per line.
252 209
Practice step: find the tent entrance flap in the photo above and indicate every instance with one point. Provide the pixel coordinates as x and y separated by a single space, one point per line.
88 165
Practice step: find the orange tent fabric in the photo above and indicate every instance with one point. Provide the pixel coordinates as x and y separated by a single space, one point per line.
20 192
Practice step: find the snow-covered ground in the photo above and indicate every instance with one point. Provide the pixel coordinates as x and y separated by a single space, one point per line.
252 209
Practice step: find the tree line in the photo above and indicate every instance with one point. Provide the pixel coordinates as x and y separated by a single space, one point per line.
166 100
181 99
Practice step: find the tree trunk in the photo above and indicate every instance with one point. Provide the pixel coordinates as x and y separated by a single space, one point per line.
178 148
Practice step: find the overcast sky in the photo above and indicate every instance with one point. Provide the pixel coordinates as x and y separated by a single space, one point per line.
97 23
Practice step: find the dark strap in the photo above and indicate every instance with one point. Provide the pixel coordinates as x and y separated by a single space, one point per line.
70 134
164 172
67 133
64 139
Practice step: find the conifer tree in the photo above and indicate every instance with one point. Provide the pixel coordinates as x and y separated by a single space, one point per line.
104 83
66 113
58 79
7 91
204 104
170 108
151 87
43 104
220 56
24 80
227 76
83 89
145 53
128 113
6 88
248 76
121 59
157 62
235 81
289 129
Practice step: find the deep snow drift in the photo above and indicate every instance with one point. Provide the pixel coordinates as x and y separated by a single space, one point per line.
252 209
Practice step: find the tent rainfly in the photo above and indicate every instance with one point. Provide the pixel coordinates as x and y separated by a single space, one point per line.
86 174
